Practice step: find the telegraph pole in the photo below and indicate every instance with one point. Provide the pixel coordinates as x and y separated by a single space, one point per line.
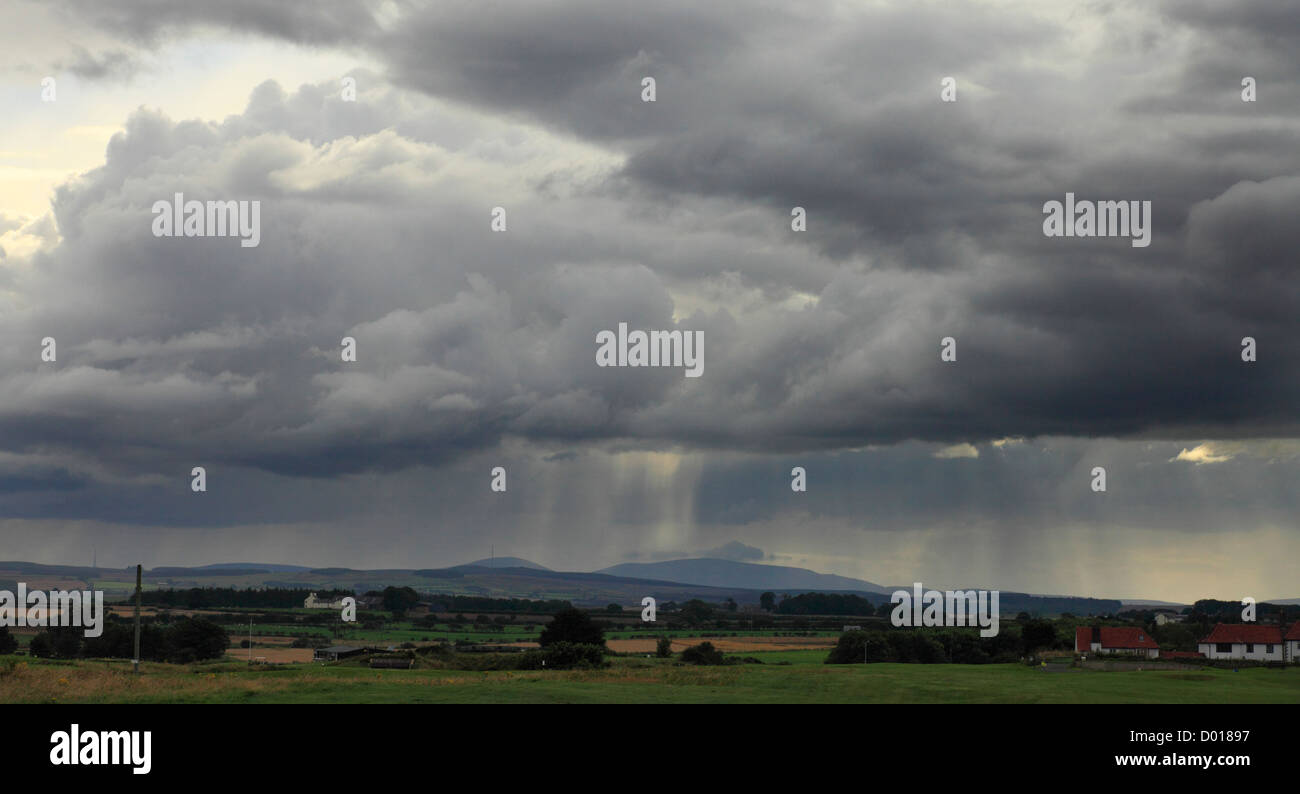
135 662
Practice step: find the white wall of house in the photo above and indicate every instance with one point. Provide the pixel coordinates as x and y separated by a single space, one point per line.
1293 650
1240 650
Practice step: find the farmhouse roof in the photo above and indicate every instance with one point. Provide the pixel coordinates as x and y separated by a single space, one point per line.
1293 633
1112 637
1083 637
1244 633
1122 637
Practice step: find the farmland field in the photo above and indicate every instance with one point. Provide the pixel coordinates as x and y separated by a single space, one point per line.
785 677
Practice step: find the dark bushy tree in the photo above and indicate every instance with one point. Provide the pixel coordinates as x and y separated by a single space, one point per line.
8 642
399 600
574 626
564 656
696 612
664 647
826 604
704 653
1037 634
194 639
58 642
118 642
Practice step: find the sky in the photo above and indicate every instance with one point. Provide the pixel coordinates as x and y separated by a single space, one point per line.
477 349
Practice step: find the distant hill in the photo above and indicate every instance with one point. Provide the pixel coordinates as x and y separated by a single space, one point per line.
251 566
505 562
727 573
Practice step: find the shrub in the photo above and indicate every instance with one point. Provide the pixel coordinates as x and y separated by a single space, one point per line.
704 653
572 626
563 656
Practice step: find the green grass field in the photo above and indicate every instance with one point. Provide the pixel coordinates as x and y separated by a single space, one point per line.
635 680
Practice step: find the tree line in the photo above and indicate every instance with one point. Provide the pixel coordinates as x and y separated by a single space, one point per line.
181 641
216 597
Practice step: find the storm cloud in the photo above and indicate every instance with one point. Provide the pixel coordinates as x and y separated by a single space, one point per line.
821 347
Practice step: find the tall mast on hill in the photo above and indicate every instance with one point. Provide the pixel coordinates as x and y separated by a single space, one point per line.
135 661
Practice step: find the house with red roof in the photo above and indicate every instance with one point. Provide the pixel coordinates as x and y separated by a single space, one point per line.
1291 643
1115 639
1244 641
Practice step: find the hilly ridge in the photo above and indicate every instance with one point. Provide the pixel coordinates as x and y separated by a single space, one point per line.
713 572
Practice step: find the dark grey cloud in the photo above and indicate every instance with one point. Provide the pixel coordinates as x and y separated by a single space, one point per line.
151 21
113 64
924 222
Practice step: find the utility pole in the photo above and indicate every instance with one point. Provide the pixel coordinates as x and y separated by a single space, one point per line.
250 640
135 662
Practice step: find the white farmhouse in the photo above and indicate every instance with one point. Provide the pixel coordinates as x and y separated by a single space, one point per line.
1115 639
1292 642
1244 641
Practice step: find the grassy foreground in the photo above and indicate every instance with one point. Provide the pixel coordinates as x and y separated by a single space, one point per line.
801 679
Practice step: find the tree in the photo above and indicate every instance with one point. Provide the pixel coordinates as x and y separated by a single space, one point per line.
572 625
767 601
193 639
400 599
563 656
8 642
61 642
695 612
118 642
41 646
1037 634
826 604
730 604
614 609
857 647
704 653
664 647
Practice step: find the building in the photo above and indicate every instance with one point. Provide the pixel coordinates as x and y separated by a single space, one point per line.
335 652
312 602
1244 641
1291 643
1115 639
1166 617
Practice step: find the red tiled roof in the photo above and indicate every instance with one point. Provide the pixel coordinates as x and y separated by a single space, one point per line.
1120 637
1294 632
1245 633
1083 638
